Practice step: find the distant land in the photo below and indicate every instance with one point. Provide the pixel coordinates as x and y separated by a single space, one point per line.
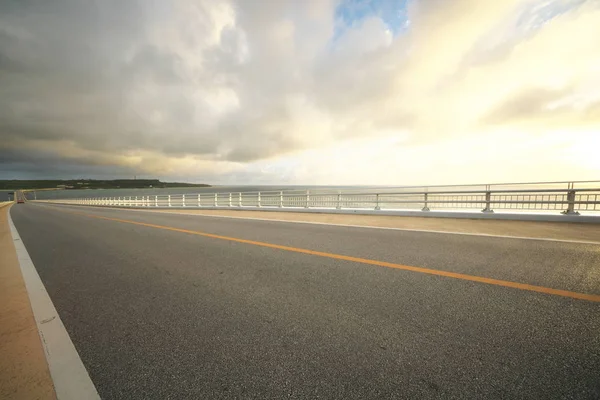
70 184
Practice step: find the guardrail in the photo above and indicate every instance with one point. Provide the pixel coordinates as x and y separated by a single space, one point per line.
569 200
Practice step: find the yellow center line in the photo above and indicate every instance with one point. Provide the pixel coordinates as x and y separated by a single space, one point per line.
429 271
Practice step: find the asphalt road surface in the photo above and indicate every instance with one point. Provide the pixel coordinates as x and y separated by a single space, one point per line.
158 311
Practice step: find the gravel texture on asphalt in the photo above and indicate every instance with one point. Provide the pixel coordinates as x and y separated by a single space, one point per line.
157 314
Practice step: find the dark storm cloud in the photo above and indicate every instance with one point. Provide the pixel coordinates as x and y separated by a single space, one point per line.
176 79
22 164
88 73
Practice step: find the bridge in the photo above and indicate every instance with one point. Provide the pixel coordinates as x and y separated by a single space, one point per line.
199 300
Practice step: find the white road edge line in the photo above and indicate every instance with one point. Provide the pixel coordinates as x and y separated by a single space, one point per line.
71 379
347 225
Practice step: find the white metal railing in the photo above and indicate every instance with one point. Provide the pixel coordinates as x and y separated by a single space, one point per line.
566 197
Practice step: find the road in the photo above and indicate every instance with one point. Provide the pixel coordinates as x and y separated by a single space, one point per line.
175 306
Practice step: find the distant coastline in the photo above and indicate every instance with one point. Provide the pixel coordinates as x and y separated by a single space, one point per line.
79 184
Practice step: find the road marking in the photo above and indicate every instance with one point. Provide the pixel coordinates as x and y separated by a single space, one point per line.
429 271
71 379
490 235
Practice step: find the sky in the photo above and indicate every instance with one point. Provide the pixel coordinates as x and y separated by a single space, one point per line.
320 92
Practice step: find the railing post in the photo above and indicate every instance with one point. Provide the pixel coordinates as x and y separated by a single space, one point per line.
169 200
229 199
258 199
339 202
183 200
377 207
281 199
570 202
307 199
216 200
155 200
136 201
199 201
425 202
488 201
239 199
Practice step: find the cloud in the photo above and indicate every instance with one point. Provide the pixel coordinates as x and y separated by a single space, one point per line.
222 89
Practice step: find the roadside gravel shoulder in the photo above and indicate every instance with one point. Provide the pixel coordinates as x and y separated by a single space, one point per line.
24 372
